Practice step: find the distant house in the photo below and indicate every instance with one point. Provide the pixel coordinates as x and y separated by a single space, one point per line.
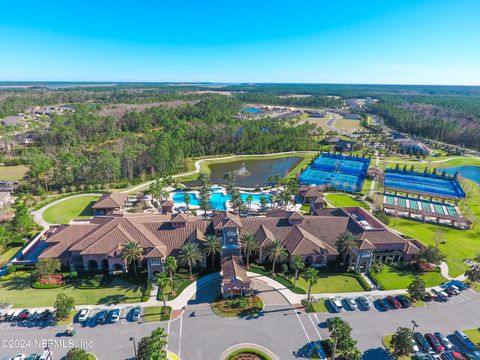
410 146
331 140
347 146
109 204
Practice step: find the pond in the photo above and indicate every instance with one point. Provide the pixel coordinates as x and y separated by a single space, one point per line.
468 172
256 172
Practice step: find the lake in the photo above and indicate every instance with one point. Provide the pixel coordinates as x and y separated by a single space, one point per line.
468 172
258 171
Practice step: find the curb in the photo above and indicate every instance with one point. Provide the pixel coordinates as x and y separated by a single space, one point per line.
231 349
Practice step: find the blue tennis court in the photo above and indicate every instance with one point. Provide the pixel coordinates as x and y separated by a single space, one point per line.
425 184
341 172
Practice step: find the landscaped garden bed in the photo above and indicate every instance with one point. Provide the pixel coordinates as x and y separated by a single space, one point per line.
248 354
237 306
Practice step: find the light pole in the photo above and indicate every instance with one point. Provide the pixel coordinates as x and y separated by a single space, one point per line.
134 346
414 325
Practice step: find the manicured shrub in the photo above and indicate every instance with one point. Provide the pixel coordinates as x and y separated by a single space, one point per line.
284 268
11 269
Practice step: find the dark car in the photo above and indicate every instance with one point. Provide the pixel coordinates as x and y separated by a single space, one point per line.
102 316
475 355
363 303
449 291
465 340
135 313
394 302
382 304
23 315
47 314
447 355
440 295
404 301
435 343
421 341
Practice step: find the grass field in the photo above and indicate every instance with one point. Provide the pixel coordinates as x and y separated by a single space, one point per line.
448 161
392 279
386 341
474 335
13 173
18 292
347 125
156 313
8 254
79 207
331 282
342 200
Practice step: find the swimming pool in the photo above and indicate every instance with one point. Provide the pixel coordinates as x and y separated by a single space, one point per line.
218 199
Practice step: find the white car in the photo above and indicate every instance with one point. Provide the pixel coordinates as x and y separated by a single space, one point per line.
351 303
83 315
19 357
415 348
114 315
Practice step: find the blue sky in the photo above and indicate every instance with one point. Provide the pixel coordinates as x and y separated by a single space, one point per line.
388 41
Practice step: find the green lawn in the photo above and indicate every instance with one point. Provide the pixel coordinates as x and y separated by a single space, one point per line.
156 313
331 282
392 279
75 208
317 307
8 254
386 341
341 200
18 292
474 335
13 173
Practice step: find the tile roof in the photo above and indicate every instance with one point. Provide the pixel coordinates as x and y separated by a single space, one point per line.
111 201
233 269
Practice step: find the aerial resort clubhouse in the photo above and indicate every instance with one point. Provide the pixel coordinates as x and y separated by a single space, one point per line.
96 244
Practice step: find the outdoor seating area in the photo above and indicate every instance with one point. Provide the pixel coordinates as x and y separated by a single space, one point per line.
346 173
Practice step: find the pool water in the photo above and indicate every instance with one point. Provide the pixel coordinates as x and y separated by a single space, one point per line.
252 110
218 200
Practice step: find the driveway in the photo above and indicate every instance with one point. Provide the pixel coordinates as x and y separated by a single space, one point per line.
269 295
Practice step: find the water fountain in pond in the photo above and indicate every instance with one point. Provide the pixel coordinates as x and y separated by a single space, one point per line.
242 171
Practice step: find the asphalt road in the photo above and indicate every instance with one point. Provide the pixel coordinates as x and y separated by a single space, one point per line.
200 334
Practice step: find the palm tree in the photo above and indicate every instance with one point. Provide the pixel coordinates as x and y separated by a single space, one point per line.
162 281
276 251
170 266
186 198
249 244
311 277
132 253
212 246
298 265
190 254
346 241
249 201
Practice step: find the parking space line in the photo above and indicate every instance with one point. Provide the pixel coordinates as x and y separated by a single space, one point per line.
315 327
180 338
301 324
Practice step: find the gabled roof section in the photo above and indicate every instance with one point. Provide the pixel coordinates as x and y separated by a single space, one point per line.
168 202
180 218
301 242
156 252
111 201
365 244
233 269
264 235
296 216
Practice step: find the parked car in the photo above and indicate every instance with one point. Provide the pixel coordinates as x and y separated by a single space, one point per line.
83 315
47 315
23 315
457 356
421 356
435 343
363 303
32 357
475 355
19 357
114 315
404 301
415 347
434 356
443 339
447 356
449 291
465 340
441 295
421 341
351 303
70 332
394 302
455 289
136 313
46 355
383 304
335 305
102 316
